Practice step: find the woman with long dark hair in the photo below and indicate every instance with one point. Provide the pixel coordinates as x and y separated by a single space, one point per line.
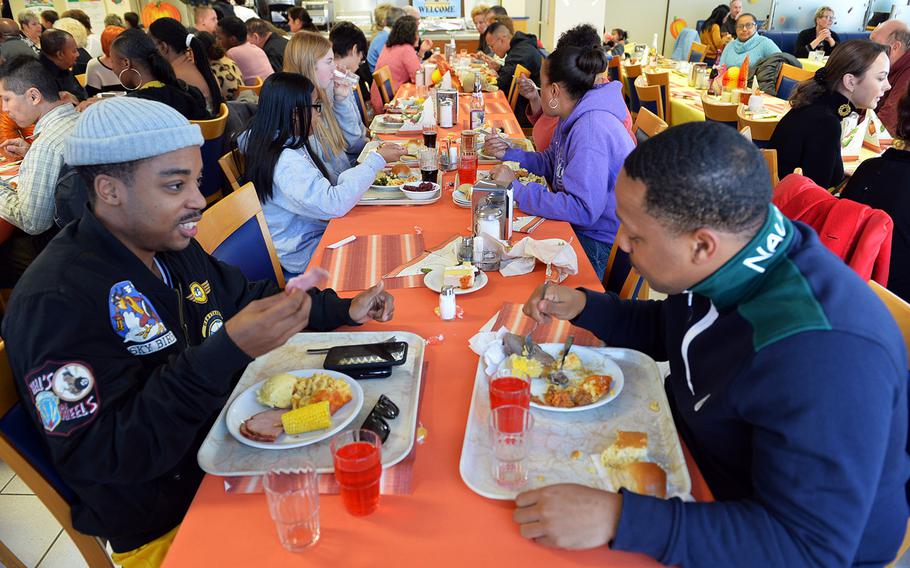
146 74
710 33
175 43
809 136
400 55
290 178
585 155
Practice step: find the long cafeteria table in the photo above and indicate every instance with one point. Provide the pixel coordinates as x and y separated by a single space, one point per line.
442 523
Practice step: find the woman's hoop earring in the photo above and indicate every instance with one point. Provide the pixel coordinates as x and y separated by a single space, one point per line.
553 104
138 74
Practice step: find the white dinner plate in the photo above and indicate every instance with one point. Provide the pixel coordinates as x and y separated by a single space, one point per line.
591 360
433 281
460 199
246 405
414 173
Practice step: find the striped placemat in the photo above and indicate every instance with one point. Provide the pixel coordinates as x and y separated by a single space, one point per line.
395 480
554 331
394 278
361 263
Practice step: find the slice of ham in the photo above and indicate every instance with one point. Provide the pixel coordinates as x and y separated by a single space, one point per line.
263 427
304 282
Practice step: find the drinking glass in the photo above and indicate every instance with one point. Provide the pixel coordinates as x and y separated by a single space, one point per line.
509 388
357 456
293 496
510 441
429 135
429 168
467 168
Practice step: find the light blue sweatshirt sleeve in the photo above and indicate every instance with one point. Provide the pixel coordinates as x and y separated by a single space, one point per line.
350 122
301 189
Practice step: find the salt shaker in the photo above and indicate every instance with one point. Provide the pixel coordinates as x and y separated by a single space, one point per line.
447 303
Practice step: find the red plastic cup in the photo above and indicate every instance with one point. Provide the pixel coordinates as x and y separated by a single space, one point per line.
357 456
467 169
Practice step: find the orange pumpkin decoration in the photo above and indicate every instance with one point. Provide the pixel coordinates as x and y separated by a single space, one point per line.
676 27
155 10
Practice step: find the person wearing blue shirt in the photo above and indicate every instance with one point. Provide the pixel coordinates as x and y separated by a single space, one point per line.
380 38
748 42
788 376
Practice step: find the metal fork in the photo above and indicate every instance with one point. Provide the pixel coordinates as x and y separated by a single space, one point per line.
528 341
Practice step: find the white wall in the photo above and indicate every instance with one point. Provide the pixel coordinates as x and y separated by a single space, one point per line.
641 18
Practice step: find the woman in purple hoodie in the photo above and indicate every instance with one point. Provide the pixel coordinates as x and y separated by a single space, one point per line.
585 155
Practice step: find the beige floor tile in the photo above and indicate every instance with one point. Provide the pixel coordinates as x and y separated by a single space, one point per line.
17 487
27 527
6 474
63 554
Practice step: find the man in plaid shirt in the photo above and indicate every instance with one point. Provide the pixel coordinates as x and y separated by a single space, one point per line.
30 96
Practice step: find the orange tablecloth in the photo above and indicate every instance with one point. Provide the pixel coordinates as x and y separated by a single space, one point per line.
443 523
497 112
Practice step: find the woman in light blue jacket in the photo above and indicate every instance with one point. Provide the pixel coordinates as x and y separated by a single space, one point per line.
294 185
338 135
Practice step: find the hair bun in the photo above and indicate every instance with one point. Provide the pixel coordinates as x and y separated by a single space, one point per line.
592 61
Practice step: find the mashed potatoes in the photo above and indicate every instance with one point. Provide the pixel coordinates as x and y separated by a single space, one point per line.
525 366
277 391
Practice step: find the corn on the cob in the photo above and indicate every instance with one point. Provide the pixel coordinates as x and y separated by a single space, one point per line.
307 418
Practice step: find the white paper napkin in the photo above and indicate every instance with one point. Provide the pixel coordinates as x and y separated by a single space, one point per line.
488 345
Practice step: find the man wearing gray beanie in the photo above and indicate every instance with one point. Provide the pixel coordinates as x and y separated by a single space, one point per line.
155 331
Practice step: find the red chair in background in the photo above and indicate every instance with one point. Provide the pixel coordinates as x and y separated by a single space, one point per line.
857 233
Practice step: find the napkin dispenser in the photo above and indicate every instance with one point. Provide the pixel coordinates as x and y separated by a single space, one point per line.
447 107
485 198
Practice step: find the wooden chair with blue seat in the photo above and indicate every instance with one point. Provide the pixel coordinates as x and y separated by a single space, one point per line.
255 87
621 277
647 124
661 80
697 52
24 450
651 100
231 163
234 231
789 77
900 311
366 111
520 72
382 77
761 129
629 74
614 67
724 113
212 186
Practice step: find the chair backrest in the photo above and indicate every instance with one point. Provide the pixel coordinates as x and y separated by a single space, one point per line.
697 52
650 99
382 77
81 78
724 113
613 68
621 277
629 74
362 105
256 87
213 133
770 155
647 124
662 80
790 76
520 71
234 231
899 309
228 164
761 129
22 448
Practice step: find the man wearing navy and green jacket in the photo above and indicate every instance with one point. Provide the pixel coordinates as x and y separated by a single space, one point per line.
788 376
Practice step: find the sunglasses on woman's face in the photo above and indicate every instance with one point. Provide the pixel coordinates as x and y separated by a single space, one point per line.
376 419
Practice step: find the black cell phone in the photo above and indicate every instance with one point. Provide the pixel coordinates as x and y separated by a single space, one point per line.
370 360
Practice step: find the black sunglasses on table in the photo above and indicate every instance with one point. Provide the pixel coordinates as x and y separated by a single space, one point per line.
376 419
